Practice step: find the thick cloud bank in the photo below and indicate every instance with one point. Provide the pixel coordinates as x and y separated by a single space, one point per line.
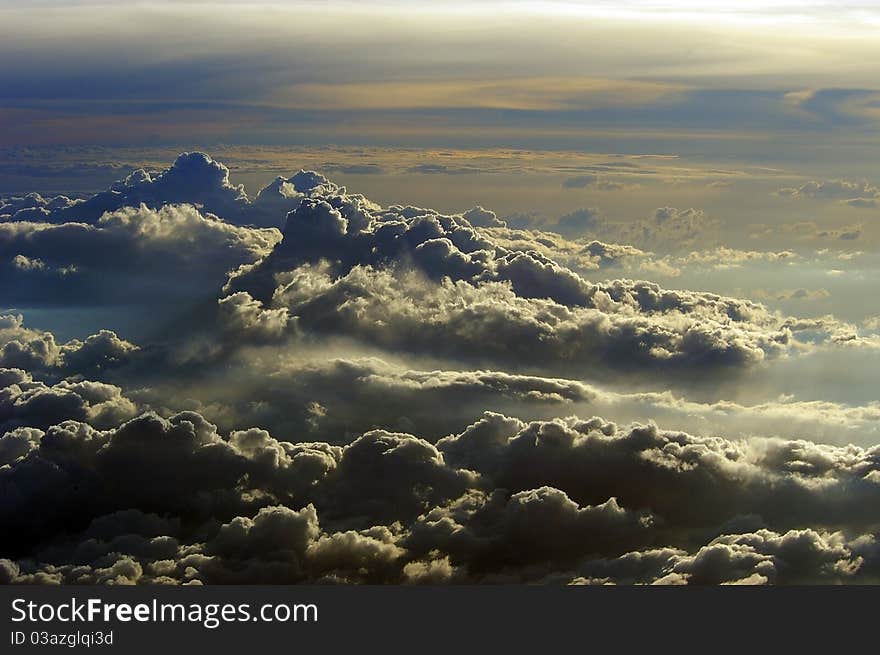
172 500
367 394
410 279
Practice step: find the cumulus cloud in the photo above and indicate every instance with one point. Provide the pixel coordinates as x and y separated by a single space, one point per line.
481 217
37 350
583 501
785 483
28 403
753 558
326 419
855 194
74 473
194 178
412 279
129 256
580 254
304 389
635 328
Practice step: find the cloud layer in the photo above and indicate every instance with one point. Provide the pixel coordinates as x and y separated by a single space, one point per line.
413 279
399 395
172 500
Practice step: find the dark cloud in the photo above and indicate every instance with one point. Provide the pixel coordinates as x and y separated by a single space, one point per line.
774 479
338 399
74 473
272 441
194 179
502 531
37 350
34 404
130 256
173 501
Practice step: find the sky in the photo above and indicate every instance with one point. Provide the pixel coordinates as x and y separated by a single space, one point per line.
485 292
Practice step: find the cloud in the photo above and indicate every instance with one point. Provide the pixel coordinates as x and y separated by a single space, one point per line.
591 181
668 229
809 230
671 229
173 501
490 322
393 395
481 217
34 404
579 254
800 294
37 350
853 193
755 558
193 179
303 389
336 398
407 278
500 530
442 169
770 478
353 169
181 466
132 255
860 195
580 221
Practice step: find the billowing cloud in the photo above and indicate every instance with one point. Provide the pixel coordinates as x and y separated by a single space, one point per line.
133 255
34 404
585 501
399 395
412 279
580 254
194 179
37 350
